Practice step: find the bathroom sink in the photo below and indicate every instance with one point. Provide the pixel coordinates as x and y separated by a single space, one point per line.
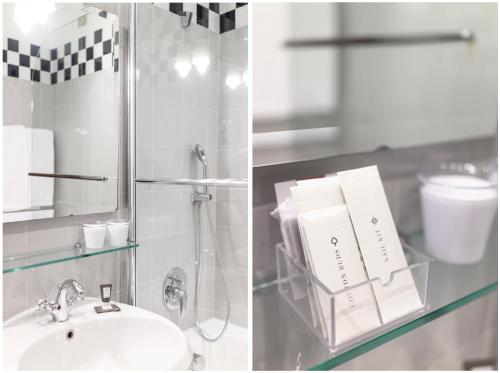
130 339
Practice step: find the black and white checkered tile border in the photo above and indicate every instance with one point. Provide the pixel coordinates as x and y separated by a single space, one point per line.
84 56
217 17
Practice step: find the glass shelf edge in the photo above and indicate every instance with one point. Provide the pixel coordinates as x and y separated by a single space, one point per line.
69 257
403 329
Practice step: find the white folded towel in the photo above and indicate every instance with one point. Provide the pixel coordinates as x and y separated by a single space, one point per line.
16 163
42 160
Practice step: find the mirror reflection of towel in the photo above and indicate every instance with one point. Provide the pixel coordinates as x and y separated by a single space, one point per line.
27 150
42 160
16 182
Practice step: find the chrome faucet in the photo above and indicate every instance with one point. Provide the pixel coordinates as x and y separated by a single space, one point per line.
60 308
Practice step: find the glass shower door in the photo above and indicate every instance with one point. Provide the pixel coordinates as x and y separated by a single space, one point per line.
191 89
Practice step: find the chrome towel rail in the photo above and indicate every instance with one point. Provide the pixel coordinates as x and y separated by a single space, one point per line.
464 35
66 176
236 183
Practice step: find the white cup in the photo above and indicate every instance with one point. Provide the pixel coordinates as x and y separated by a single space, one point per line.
94 234
118 232
458 209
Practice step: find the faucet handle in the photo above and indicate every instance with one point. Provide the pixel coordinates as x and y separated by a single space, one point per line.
79 293
79 289
40 301
43 302
182 302
175 279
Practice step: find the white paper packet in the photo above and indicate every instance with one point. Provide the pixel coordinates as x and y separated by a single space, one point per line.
310 195
379 241
336 261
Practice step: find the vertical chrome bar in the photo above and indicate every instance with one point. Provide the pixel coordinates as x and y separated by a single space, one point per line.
131 147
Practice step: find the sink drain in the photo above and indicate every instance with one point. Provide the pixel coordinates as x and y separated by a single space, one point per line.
70 334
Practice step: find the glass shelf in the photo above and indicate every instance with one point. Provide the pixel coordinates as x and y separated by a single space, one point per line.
53 256
283 342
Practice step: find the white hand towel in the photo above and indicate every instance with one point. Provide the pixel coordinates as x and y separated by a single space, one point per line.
16 182
42 160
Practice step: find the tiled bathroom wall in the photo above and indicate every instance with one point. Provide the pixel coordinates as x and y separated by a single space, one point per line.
183 100
20 289
76 49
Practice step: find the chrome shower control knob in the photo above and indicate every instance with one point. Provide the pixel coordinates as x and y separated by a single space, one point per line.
175 290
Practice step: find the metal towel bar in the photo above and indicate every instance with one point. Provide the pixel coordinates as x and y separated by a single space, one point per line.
464 35
66 176
236 183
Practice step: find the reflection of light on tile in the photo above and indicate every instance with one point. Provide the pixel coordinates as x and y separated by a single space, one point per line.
27 14
245 76
137 74
233 80
81 131
201 62
183 68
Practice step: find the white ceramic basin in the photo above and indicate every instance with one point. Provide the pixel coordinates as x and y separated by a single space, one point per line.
130 339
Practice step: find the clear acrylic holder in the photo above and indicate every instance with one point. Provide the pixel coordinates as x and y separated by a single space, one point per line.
296 283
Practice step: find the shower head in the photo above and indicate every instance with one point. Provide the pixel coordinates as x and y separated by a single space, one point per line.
200 153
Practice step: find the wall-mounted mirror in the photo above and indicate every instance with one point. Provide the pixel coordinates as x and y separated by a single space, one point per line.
354 77
60 110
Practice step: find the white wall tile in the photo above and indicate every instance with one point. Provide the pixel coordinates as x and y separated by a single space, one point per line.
144 71
166 211
166 124
167 83
166 162
233 130
145 26
144 296
144 121
232 243
165 255
193 127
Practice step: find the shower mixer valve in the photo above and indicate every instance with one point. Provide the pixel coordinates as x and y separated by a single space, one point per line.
200 197
174 290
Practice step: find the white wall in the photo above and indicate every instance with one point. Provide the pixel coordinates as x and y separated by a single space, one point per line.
290 82
419 94
399 96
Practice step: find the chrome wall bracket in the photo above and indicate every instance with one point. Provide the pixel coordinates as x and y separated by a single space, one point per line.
186 19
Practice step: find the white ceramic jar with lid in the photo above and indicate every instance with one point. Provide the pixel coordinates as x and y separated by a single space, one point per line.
459 204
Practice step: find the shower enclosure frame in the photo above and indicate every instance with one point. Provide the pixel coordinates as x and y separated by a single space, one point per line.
131 125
